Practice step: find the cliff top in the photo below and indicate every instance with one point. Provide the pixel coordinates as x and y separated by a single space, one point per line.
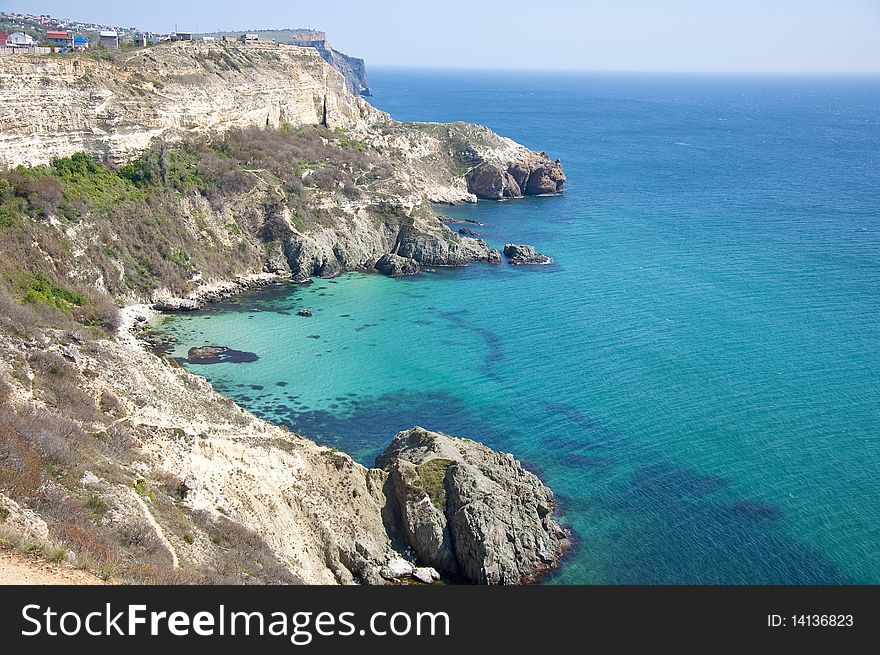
285 35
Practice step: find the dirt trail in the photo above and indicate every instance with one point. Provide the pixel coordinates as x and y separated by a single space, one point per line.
16 568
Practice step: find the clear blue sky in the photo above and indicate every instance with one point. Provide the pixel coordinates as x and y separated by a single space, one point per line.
824 36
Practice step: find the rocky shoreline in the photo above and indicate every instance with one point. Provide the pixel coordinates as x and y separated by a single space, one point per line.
203 483
214 292
462 511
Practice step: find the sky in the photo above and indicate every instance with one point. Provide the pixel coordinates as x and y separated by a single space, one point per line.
745 36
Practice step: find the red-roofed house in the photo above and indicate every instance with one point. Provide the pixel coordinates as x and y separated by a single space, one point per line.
58 38
3 37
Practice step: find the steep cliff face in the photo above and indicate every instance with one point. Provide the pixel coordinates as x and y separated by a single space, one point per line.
55 106
51 107
353 69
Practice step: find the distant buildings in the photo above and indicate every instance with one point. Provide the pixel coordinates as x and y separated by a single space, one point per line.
108 39
244 38
80 43
182 36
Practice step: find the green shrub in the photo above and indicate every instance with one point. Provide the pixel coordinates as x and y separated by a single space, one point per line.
431 476
38 289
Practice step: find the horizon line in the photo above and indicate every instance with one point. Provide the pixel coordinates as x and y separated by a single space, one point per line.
616 71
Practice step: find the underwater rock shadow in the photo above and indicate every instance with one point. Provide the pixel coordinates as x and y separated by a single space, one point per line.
683 529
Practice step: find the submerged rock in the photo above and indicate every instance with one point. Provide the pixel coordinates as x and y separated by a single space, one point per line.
396 266
520 254
467 510
218 355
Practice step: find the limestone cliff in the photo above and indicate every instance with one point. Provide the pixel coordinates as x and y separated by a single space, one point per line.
243 159
353 69
54 106
116 108
175 462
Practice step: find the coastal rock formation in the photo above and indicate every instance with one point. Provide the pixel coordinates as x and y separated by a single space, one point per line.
467 232
225 487
115 109
396 266
531 175
353 69
522 254
176 305
467 510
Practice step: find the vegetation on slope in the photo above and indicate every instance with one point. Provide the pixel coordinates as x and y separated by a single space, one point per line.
78 236
177 210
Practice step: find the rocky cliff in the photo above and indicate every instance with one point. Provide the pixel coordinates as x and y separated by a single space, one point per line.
207 161
353 69
114 108
117 108
466 510
173 469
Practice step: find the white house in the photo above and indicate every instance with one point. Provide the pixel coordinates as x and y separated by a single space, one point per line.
19 40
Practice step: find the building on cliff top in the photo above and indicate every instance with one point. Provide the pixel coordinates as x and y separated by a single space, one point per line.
108 39
19 40
58 38
80 43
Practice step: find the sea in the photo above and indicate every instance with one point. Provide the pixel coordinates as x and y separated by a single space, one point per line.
697 374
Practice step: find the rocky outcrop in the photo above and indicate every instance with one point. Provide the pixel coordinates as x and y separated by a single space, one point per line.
353 69
441 247
467 510
396 266
520 254
531 175
171 304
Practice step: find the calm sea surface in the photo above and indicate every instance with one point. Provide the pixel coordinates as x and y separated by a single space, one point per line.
698 374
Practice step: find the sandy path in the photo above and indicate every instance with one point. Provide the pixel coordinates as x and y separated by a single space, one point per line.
16 568
158 528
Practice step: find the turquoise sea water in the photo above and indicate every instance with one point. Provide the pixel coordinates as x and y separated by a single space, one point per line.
698 374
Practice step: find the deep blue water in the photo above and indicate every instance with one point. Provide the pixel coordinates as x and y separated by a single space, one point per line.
698 374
